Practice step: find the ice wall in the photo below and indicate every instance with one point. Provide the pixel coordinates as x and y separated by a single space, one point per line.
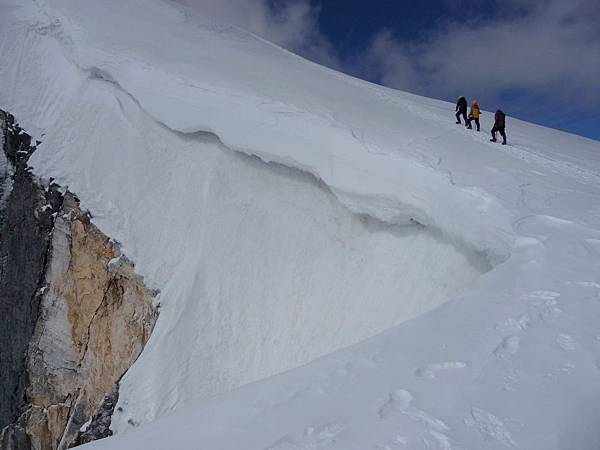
260 267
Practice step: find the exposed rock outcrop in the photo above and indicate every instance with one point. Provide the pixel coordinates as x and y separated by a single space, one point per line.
26 224
99 426
80 313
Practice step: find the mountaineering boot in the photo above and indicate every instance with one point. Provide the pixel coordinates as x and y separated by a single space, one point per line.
493 140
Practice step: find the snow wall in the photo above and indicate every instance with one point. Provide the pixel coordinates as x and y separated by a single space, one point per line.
261 268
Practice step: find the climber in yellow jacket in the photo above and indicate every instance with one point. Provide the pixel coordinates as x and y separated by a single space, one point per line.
474 115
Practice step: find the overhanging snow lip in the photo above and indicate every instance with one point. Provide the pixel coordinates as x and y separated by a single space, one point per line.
401 215
474 218
494 243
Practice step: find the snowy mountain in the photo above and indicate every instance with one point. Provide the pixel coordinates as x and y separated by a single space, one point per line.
340 266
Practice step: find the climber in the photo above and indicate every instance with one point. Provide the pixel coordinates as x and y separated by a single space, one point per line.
499 125
461 109
474 115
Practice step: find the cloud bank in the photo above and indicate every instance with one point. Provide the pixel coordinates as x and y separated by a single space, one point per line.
549 48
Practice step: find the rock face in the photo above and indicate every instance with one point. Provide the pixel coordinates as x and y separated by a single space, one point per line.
99 427
26 223
79 317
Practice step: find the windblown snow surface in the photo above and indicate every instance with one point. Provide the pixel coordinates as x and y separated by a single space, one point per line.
296 218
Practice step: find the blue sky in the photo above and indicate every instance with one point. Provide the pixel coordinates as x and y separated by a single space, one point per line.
354 25
537 60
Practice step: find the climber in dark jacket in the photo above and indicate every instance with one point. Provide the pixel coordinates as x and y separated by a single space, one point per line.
499 125
461 109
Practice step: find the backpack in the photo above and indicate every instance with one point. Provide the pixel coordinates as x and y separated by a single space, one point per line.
500 118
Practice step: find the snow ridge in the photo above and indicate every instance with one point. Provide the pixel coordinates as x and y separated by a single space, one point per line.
308 138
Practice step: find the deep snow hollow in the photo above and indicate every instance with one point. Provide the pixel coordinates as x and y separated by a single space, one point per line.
264 268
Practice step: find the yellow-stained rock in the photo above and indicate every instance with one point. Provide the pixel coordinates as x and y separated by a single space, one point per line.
96 316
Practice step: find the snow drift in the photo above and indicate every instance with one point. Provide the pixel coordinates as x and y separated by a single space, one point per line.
261 268
260 265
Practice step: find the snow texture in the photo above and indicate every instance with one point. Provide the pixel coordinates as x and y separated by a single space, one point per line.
287 211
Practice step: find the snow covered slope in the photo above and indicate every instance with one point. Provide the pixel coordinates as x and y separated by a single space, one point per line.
155 118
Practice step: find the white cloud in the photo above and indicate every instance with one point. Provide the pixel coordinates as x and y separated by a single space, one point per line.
550 48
